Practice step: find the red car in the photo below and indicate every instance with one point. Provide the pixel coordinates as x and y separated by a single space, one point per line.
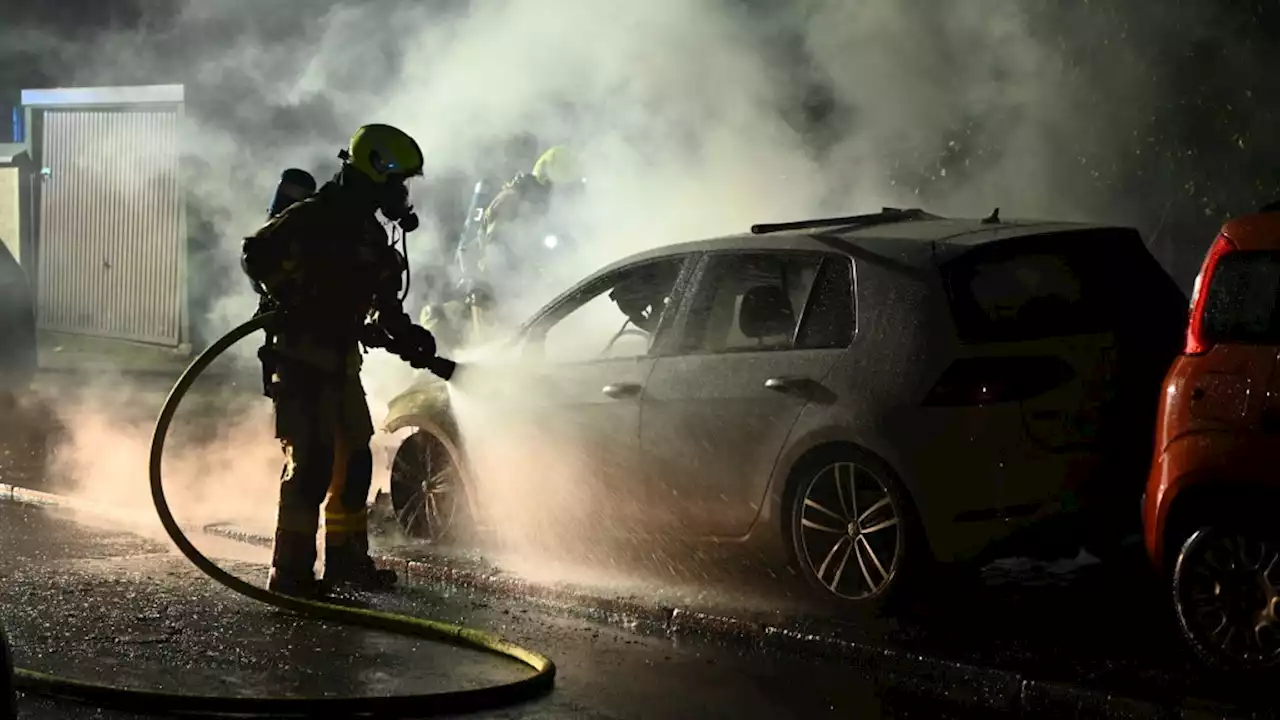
1210 509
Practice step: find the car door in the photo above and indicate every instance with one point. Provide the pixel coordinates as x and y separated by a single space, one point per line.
755 340
584 367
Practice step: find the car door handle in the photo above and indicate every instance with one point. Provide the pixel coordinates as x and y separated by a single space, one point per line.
802 388
622 390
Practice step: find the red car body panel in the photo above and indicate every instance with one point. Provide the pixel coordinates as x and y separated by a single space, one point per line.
1215 402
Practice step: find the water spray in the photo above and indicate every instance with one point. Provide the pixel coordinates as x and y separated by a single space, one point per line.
189 705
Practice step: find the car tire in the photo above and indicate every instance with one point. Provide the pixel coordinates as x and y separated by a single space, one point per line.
1225 584
428 492
878 536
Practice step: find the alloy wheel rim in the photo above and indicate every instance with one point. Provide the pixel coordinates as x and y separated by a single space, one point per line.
1230 597
848 522
437 503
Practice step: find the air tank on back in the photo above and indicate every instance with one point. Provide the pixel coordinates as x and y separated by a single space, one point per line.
295 184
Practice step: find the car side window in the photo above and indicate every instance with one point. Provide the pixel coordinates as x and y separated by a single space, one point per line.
828 320
615 317
751 302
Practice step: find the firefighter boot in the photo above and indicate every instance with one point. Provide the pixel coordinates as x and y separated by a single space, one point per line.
346 556
293 565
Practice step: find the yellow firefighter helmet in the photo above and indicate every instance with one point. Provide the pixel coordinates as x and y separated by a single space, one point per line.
382 151
557 166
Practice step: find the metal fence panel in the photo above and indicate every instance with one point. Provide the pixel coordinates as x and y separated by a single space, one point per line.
111 245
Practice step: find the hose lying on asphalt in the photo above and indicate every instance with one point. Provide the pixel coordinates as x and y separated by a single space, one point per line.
400 706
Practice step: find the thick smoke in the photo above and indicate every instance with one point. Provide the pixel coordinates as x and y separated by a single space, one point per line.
690 114
693 117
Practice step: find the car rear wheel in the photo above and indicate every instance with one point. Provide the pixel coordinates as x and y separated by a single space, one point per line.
1226 591
853 530
427 489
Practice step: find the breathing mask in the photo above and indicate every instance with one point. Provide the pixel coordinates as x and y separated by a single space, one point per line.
393 201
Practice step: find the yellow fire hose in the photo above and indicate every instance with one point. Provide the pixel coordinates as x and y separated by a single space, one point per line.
538 683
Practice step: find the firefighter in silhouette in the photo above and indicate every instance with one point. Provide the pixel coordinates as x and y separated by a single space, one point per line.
524 203
498 254
330 271
518 153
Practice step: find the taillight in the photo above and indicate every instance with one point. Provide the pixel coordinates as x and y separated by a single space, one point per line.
983 381
1197 344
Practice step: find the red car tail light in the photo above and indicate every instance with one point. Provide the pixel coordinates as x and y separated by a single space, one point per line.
1197 344
983 381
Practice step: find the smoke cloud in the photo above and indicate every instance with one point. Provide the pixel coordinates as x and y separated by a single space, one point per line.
696 118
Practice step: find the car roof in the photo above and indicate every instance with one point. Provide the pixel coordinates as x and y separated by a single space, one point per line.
919 243
1259 231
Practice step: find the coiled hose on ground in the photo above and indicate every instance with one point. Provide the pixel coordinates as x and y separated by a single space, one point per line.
401 706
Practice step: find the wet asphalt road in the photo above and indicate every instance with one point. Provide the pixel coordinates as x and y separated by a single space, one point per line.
1103 626
96 603
108 599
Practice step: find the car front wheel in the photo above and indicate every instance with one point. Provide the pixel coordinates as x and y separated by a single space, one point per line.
855 536
1226 591
427 490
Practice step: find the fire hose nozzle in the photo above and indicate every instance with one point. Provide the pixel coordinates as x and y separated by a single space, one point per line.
442 368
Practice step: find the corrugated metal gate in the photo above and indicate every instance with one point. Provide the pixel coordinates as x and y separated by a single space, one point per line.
112 250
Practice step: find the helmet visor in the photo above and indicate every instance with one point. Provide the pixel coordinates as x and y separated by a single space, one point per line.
396 196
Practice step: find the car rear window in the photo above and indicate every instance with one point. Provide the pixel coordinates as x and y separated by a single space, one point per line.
1241 303
1062 284
1025 296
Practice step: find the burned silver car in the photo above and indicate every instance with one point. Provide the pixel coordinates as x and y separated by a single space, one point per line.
857 396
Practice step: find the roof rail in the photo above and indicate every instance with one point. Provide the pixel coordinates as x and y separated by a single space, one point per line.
886 215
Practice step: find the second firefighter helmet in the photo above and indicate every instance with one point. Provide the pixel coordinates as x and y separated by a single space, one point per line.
558 166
